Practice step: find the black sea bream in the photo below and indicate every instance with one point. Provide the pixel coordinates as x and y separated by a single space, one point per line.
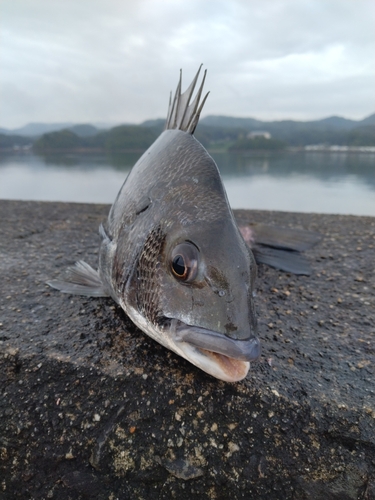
173 256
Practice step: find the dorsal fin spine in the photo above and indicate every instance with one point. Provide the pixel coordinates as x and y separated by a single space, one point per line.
181 114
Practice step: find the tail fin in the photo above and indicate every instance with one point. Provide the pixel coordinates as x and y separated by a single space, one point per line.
81 279
181 114
279 247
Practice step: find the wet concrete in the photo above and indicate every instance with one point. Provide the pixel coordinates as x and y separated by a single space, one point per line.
92 408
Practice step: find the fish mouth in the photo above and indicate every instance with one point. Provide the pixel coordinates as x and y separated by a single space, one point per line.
221 356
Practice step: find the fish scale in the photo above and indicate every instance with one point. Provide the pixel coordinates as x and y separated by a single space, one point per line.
147 274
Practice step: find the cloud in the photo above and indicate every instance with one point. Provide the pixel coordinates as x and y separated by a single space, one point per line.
116 60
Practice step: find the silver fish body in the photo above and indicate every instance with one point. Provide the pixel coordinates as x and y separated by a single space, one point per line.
173 257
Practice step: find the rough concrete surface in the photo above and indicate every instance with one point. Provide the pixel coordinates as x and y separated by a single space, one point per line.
91 408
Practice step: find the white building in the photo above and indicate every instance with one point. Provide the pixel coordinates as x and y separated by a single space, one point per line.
259 133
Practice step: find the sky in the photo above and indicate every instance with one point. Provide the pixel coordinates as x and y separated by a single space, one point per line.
115 61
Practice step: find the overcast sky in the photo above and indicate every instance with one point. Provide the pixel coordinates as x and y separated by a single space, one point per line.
116 60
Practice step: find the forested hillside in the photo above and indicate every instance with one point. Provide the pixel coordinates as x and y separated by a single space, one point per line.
222 132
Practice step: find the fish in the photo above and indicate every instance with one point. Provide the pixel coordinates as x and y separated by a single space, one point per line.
173 256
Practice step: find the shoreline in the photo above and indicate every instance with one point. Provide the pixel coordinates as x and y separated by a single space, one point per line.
291 149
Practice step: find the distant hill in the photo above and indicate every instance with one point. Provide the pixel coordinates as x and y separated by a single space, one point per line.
121 138
331 130
370 120
157 123
212 132
231 122
333 123
84 130
36 129
13 142
362 136
250 124
330 123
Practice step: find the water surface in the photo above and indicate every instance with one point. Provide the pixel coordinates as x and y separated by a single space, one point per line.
341 183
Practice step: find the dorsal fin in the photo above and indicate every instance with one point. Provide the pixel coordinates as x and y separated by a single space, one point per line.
181 114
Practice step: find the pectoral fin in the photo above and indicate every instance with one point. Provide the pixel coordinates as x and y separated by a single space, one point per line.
81 279
284 237
285 260
279 247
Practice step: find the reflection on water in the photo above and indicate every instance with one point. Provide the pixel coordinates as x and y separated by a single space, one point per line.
319 165
303 182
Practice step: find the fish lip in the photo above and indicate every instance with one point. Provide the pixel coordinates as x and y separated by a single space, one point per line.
209 340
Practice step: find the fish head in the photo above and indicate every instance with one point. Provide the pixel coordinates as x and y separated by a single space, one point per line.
207 279
209 270
193 287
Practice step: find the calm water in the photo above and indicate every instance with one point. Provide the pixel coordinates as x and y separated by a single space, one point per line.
301 182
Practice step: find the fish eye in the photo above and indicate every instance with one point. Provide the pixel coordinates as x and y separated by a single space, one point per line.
184 262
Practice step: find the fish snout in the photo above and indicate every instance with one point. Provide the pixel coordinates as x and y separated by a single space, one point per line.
242 350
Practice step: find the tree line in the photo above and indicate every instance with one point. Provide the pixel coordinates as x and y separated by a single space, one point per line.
140 137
